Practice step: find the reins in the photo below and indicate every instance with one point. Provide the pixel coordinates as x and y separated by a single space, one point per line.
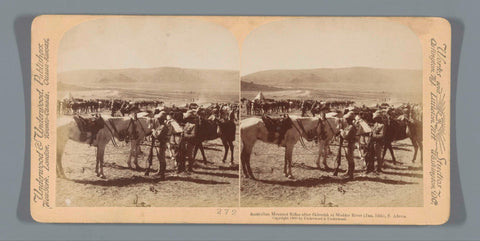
302 142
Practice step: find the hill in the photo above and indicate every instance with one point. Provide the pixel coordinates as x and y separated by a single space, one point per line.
162 78
355 78
249 86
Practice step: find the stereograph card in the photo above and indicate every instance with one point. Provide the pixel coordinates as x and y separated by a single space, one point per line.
240 119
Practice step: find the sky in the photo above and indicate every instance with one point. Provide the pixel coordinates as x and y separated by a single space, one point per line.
148 42
307 43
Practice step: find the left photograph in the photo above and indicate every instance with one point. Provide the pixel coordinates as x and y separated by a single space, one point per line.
147 114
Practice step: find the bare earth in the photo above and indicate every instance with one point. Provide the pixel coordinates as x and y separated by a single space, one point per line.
210 185
398 186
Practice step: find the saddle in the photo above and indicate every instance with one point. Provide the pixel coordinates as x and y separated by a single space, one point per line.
278 125
89 125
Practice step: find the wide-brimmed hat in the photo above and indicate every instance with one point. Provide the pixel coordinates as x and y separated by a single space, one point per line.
188 114
377 114
162 114
349 115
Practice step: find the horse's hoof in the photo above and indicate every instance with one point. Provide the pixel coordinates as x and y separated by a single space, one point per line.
290 177
103 176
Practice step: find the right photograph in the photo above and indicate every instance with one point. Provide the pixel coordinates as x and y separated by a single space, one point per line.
331 114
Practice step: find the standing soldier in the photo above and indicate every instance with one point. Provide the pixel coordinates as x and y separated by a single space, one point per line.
187 144
349 134
378 138
303 107
159 134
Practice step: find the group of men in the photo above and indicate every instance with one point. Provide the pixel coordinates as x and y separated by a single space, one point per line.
181 139
374 147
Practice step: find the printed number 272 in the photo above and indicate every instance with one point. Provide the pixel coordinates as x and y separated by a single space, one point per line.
226 211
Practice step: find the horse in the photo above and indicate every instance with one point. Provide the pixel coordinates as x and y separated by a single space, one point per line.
68 129
332 126
254 128
402 128
225 129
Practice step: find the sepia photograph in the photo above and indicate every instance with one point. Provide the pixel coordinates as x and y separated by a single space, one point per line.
147 114
331 114
240 119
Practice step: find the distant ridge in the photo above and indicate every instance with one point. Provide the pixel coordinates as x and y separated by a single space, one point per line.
353 78
162 78
249 86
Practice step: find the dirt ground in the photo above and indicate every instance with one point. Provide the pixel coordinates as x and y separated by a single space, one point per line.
213 184
399 185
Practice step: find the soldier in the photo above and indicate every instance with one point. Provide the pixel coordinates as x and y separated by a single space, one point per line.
378 138
159 134
187 144
348 134
303 107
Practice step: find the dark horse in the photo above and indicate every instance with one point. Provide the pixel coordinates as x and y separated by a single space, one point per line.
399 129
212 129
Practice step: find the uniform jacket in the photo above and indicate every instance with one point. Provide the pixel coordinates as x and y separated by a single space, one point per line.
190 132
349 133
378 132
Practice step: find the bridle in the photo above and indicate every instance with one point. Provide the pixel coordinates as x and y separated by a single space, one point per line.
116 133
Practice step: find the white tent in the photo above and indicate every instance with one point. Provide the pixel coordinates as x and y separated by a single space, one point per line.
68 96
259 96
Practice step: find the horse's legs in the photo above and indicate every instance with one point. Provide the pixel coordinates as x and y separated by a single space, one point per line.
325 154
231 151
172 156
97 163
136 152
385 147
100 155
225 145
243 157
288 160
195 150
245 160
59 169
420 145
415 148
130 154
390 148
339 157
321 144
200 146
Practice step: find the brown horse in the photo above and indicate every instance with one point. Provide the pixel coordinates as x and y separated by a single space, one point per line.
224 129
119 128
409 126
